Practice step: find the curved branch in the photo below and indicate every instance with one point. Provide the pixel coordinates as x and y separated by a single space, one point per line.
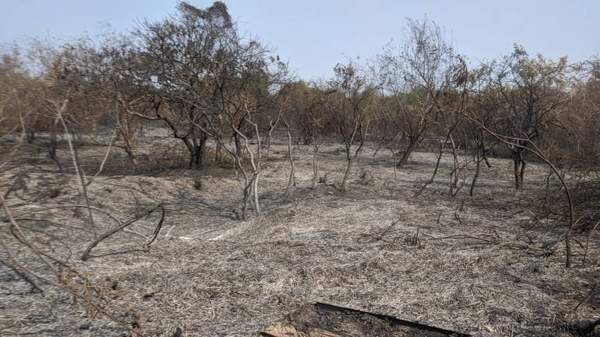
91 246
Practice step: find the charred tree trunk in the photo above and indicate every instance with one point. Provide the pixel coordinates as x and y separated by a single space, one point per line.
315 164
412 144
197 149
53 144
347 173
197 159
292 179
127 133
272 125
218 153
455 186
477 169
307 136
238 145
30 136
519 167
352 156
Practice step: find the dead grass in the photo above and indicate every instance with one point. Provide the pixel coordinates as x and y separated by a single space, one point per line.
487 265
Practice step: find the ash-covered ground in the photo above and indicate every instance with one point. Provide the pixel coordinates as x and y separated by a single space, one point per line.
489 265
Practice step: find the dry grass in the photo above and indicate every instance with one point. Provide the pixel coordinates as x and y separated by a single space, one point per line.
485 265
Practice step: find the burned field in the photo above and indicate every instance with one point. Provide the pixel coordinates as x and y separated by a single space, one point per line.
491 264
180 178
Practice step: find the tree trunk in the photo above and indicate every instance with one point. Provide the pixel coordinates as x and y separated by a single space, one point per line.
477 168
454 178
197 149
485 158
197 158
272 125
128 136
53 144
218 153
95 128
347 173
522 173
315 164
129 147
484 151
292 179
132 157
519 168
245 200
30 136
238 145
307 136
255 193
268 140
409 150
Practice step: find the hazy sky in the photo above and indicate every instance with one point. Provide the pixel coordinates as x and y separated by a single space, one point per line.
314 35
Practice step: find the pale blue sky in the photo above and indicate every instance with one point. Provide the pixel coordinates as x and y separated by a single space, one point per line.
314 35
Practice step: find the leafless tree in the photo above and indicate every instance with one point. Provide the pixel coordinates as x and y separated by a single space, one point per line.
307 106
184 58
416 78
350 103
527 94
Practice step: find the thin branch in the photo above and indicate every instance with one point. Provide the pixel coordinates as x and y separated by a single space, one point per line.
586 297
34 287
91 246
80 175
158 227
105 158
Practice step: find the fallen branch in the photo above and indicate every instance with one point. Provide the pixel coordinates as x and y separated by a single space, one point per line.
34 287
50 262
106 235
379 237
461 236
586 297
158 227
103 211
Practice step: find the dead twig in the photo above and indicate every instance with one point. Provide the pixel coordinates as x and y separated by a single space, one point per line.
103 211
91 179
102 237
586 297
158 227
60 108
34 287
378 237
50 262
461 236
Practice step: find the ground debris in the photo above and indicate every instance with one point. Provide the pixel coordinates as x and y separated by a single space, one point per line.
326 320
